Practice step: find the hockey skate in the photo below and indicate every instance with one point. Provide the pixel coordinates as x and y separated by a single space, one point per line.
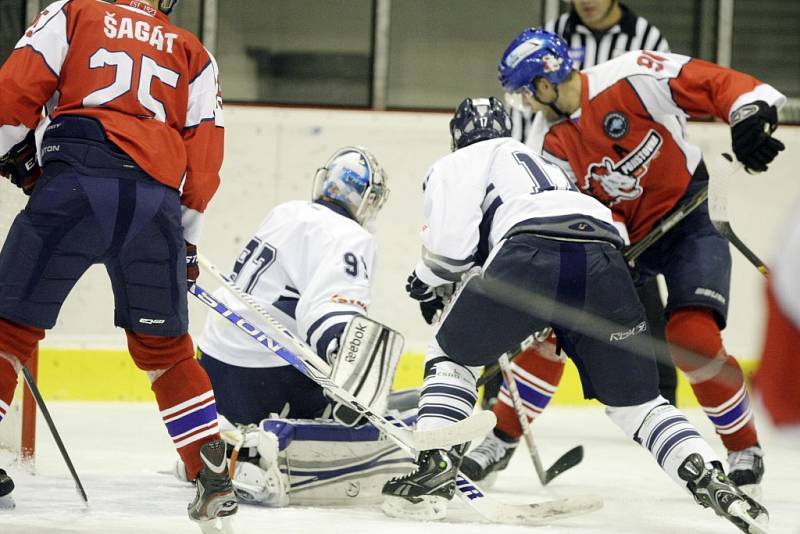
746 468
423 493
6 487
486 460
215 500
713 489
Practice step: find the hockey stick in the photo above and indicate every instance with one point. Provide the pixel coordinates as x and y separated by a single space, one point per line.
536 514
542 513
51 425
568 460
718 211
307 362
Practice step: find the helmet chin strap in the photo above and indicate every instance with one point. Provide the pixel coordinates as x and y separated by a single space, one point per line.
552 103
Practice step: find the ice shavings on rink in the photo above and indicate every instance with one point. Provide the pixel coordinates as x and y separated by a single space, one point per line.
118 450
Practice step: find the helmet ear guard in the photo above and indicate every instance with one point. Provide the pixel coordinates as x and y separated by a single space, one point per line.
478 119
353 179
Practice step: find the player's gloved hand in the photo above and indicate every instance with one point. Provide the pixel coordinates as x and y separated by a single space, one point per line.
429 301
192 266
751 129
20 166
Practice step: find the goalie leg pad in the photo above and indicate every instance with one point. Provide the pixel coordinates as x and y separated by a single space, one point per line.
365 366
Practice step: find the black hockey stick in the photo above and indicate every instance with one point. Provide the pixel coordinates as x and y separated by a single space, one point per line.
46 414
718 210
568 460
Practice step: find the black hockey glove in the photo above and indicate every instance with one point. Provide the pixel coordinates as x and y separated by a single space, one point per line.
751 129
429 301
20 166
192 267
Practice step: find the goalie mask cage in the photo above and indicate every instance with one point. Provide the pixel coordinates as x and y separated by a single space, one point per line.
18 428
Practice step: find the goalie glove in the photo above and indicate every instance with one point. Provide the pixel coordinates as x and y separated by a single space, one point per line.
751 135
20 165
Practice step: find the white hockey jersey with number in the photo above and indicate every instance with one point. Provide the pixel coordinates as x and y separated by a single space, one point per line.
309 266
478 193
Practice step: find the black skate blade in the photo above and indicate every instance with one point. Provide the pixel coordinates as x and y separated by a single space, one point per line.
568 460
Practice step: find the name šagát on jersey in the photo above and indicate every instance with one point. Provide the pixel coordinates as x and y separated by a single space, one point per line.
141 30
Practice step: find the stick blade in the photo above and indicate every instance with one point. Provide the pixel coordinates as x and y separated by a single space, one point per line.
568 460
473 427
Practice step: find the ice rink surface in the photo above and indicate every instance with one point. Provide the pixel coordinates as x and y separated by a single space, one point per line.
119 449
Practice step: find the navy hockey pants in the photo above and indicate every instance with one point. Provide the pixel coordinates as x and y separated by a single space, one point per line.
582 290
132 225
247 395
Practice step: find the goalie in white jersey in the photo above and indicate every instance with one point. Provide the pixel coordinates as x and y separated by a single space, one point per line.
529 251
309 265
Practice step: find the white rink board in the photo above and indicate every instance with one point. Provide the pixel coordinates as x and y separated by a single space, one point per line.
118 449
272 153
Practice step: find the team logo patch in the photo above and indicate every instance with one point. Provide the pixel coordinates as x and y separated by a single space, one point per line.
611 182
615 124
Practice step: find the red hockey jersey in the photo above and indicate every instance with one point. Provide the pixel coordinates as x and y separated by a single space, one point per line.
626 143
151 84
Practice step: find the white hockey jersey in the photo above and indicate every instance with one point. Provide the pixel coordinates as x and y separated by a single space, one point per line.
478 193
310 267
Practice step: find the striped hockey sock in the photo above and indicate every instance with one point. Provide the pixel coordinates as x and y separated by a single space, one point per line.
537 373
448 394
665 432
189 410
716 377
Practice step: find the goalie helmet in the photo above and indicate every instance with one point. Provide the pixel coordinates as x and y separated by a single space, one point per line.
532 54
166 6
353 179
479 119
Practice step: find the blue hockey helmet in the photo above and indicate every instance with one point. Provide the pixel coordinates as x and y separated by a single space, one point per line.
353 179
532 54
478 119
166 6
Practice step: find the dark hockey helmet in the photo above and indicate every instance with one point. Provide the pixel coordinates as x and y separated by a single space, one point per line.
166 6
354 179
532 54
479 119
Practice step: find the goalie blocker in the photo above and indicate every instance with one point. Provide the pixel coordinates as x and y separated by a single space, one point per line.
365 365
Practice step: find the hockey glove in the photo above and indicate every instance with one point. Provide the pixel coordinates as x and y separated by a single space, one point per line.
429 301
192 266
751 129
20 166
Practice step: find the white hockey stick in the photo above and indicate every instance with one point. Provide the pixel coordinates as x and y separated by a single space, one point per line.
568 460
542 513
305 360
718 211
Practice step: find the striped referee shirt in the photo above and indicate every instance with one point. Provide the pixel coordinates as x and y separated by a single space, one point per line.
588 48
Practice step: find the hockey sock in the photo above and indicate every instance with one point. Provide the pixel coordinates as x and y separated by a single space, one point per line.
776 379
17 345
537 372
448 393
715 376
665 432
183 392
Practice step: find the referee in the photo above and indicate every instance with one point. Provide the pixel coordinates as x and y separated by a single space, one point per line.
596 31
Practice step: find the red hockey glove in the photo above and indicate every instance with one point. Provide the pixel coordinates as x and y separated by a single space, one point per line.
20 166
192 267
751 135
